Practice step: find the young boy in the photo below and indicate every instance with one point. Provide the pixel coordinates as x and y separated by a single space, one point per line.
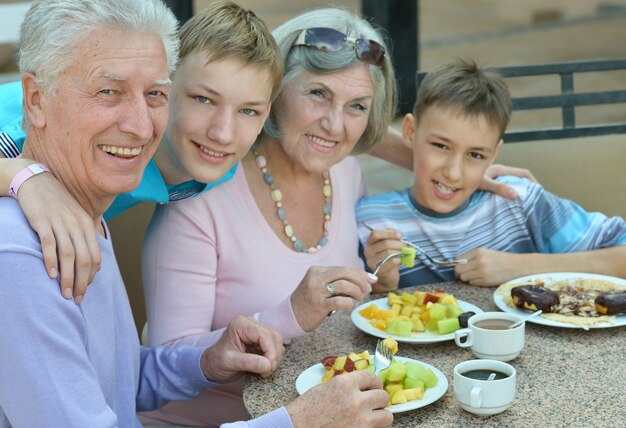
456 131
221 93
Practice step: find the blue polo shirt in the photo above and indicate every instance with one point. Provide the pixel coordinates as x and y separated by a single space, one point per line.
152 187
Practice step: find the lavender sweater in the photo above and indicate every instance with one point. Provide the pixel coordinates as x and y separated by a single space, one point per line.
68 365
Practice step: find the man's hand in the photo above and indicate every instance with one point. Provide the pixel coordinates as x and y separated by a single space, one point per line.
496 170
245 346
354 399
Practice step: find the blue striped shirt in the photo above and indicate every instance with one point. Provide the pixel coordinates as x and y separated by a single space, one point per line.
536 222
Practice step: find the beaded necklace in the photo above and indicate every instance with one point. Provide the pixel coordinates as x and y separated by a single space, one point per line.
277 197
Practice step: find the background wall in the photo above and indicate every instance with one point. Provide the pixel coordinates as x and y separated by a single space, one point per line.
495 33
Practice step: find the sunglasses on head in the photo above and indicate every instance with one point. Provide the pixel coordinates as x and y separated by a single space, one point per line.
328 39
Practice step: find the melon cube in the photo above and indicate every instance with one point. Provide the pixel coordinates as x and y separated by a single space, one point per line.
414 370
430 378
448 325
397 372
438 311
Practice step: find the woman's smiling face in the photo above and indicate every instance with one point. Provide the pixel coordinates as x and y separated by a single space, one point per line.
321 117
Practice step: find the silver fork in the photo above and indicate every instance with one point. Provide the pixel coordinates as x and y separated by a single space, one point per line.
382 262
382 357
441 263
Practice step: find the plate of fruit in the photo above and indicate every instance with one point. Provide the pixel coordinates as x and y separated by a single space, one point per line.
411 384
419 317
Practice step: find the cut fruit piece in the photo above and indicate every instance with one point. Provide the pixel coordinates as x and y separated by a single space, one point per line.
361 364
398 398
430 378
328 375
438 311
391 344
397 372
400 327
328 361
413 393
448 325
339 363
453 311
393 387
414 370
408 257
409 383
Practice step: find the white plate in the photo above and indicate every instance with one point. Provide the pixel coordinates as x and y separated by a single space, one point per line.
364 325
548 278
313 376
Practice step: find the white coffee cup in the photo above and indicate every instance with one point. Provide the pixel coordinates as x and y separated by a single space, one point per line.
484 397
486 342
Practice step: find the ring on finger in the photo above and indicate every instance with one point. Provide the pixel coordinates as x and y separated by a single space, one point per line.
330 287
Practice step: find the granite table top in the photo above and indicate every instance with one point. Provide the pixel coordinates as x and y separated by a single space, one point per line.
565 377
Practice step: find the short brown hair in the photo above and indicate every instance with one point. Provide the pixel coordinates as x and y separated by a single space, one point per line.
464 86
226 30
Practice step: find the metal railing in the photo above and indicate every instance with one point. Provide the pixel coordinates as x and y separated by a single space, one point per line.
567 100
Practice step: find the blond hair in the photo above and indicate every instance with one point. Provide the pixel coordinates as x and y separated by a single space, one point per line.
226 30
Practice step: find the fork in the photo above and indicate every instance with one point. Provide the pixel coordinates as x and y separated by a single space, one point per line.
441 263
382 262
382 357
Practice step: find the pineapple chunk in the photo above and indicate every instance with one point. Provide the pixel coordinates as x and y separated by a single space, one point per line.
391 344
398 397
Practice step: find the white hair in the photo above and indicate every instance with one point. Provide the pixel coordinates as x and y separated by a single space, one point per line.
52 28
296 59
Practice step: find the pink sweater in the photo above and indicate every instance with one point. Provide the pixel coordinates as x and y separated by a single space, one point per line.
212 257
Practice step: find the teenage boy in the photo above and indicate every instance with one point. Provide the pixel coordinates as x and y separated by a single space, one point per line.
456 132
221 94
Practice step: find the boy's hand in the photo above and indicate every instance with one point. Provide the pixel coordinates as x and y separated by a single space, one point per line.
501 189
245 346
490 268
67 233
380 244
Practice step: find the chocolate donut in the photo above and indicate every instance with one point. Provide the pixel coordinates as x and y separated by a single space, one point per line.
612 303
534 297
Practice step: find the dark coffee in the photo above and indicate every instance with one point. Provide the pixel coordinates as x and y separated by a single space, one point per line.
483 374
494 324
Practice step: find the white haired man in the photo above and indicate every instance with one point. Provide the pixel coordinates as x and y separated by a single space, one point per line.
96 78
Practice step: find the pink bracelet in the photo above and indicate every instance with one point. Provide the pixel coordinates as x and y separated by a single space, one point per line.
23 175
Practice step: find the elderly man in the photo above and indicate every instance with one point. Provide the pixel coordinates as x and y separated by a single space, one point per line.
95 81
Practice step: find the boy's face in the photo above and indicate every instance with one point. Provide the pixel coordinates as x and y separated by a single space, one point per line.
451 152
217 109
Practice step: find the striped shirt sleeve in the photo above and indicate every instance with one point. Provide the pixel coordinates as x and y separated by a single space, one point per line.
7 146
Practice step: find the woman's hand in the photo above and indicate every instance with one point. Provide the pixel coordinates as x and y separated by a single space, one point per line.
67 234
312 301
380 244
354 399
497 170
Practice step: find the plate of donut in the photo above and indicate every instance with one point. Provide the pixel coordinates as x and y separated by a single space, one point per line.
584 300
